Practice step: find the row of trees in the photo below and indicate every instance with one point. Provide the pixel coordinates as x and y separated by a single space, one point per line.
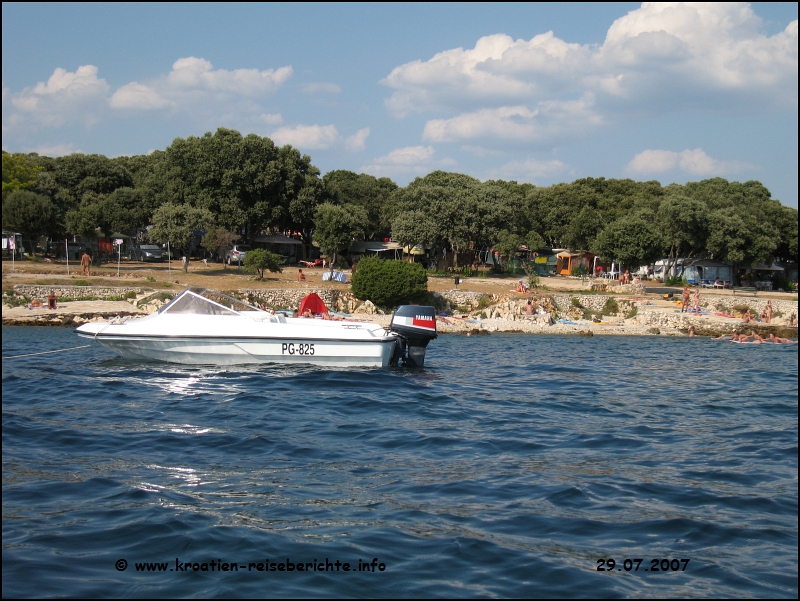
230 185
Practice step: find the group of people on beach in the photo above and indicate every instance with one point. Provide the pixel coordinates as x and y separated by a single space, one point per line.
766 314
686 295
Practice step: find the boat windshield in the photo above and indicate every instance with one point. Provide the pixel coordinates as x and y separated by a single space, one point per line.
200 301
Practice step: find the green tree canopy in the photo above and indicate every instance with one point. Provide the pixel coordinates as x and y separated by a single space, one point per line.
337 227
366 191
30 214
176 224
19 172
633 240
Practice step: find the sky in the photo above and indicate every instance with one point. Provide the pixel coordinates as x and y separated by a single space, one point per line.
536 92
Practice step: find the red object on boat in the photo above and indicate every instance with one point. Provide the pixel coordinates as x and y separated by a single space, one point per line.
313 302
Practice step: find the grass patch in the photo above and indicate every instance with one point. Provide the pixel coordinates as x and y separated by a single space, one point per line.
591 314
120 297
632 313
12 299
81 283
150 278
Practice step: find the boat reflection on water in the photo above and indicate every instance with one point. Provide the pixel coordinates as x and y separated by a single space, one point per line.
205 327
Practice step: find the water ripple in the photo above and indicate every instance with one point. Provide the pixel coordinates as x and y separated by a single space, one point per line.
507 467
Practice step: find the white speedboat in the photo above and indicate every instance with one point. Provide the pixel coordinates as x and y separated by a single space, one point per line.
204 327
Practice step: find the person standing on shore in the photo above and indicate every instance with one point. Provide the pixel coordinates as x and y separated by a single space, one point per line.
696 301
685 299
769 311
86 264
185 261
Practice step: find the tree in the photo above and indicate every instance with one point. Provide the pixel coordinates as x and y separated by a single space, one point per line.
29 214
176 224
258 260
85 220
122 211
740 239
19 173
633 240
220 241
336 228
683 223
366 191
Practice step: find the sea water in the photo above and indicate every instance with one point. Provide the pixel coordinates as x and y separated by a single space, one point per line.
510 466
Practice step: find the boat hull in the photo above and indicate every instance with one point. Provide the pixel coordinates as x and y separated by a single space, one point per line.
237 351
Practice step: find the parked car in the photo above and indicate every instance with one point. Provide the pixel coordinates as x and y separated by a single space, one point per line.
236 254
148 252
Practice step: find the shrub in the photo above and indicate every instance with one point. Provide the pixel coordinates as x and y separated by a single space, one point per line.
632 313
259 260
533 280
576 303
677 280
390 283
82 283
579 271
611 307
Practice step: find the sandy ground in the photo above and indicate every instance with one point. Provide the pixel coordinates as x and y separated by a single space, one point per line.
161 276
218 277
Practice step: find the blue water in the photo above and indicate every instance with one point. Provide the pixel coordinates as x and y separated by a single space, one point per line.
506 468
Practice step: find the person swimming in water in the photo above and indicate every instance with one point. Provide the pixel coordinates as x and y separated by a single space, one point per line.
779 340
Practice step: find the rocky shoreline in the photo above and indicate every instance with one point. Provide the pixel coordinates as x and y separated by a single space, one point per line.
468 312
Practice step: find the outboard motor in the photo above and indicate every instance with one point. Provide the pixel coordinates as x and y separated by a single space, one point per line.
415 326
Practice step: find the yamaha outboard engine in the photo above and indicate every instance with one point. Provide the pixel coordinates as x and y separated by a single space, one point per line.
415 326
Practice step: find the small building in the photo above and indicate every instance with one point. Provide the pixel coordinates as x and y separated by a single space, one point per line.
706 271
567 260
290 249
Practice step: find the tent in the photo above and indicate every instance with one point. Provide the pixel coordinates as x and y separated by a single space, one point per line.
313 302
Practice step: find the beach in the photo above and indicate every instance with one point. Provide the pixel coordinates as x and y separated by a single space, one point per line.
477 305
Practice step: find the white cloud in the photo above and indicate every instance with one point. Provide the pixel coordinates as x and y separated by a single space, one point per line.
56 150
270 119
193 73
660 57
516 123
65 97
307 137
321 88
194 81
358 141
694 162
416 160
530 169
193 86
137 96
